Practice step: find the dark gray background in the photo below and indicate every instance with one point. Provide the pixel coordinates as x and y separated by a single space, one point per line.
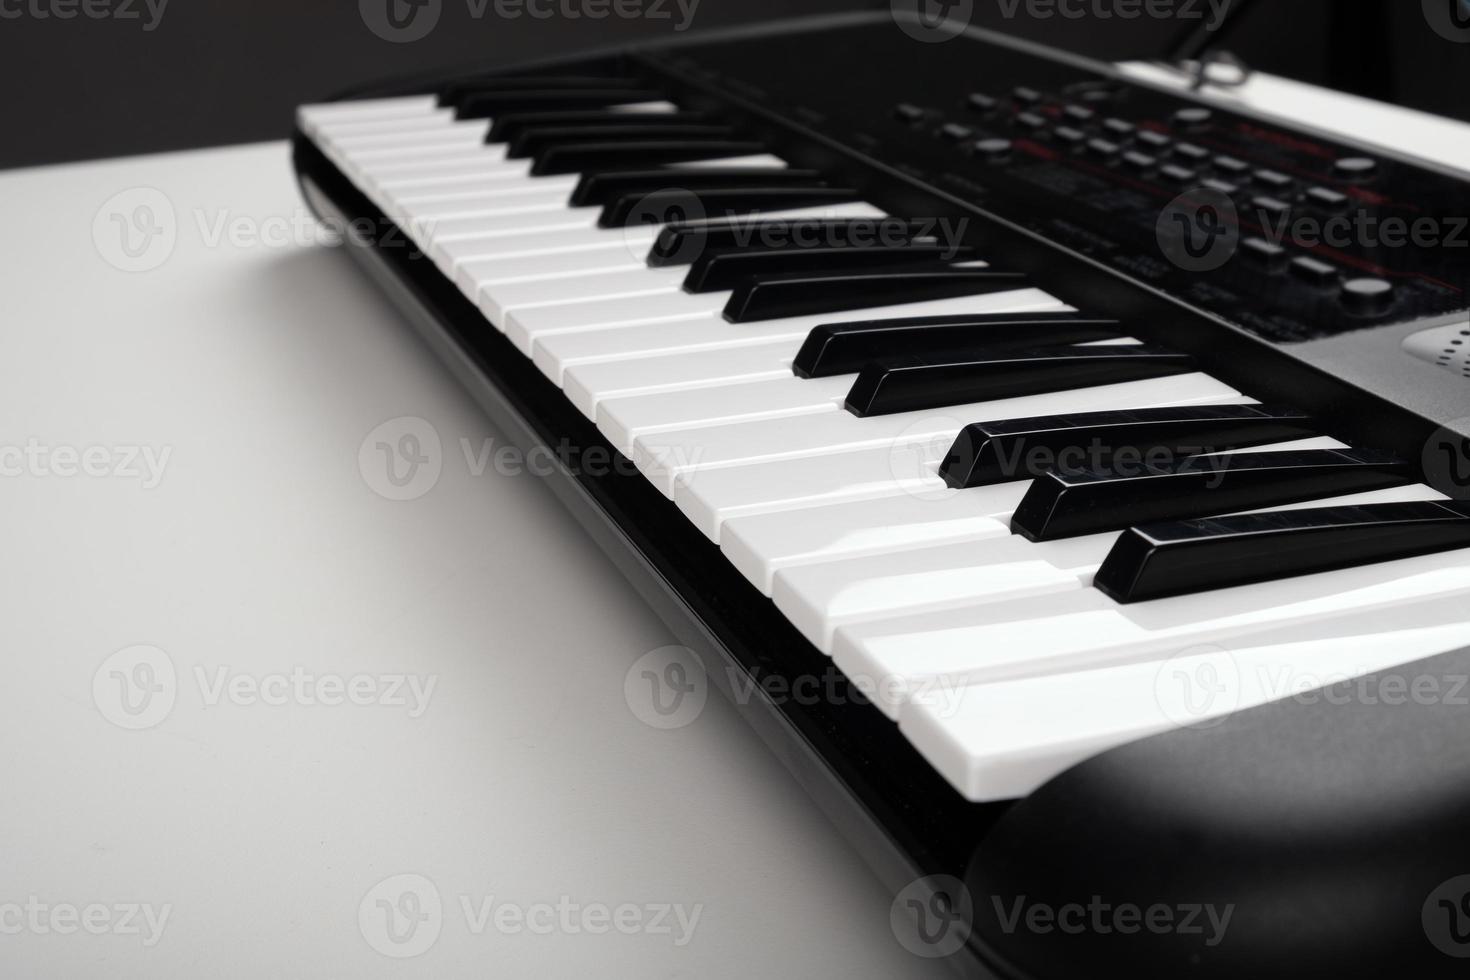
227 71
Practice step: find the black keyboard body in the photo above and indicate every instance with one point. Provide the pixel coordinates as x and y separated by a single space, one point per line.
1366 802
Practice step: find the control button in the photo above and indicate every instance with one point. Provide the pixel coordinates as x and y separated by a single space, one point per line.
1326 198
1193 116
1031 120
1266 254
1068 134
1273 206
1314 271
1355 168
1221 187
980 102
1189 151
1103 148
1368 296
1273 179
908 112
1026 96
1180 175
992 149
1140 161
1119 127
1231 165
1079 113
956 133
1156 140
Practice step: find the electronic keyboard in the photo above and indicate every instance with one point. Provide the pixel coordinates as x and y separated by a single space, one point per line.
1008 403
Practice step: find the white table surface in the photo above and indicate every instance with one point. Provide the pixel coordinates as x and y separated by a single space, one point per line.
263 544
260 369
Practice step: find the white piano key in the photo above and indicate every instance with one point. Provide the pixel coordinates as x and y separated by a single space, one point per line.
818 598
587 385
724 494
309 117
625 419
670 457
479 279
467 173
513 297
535 219
762 544
526 327
457 245
554 353
469 134
892 659
490 203
336 130
457 254
622 420
1004 740
450 169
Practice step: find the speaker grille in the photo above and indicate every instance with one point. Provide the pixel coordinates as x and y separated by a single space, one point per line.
1448 347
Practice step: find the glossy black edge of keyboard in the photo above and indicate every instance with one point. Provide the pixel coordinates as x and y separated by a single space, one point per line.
888 802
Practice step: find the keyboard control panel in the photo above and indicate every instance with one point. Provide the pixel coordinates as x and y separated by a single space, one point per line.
1289 235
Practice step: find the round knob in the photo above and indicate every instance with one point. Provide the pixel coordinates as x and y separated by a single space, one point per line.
1355 168
1192 117
993 149
1367 297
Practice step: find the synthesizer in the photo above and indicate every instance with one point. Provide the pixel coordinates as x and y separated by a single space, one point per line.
1099 452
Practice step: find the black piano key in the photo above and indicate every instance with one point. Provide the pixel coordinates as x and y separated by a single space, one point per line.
458 90
537 142
726 270
483 105
716 202
510 125
846 348
1068 503
913 383
684 244
1156 561
521 126
601 188
986 453
625 155
804 295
